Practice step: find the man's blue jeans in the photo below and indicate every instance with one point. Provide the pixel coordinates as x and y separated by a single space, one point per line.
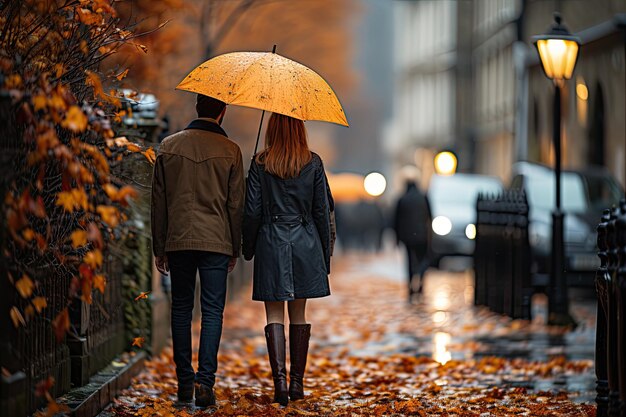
213 268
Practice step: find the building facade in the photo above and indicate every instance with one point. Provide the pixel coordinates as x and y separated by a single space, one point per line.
469 79
424 73
594 101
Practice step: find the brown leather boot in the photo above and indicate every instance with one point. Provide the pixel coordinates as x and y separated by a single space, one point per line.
275 337
299 335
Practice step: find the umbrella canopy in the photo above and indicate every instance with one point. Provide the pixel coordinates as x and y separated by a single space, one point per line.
347 187
266 81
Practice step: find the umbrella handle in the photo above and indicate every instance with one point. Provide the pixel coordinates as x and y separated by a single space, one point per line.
258 135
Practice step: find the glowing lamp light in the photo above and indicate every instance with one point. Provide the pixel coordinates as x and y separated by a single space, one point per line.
445 163
375 184
441 353
581 91
470 231
558 51
442 225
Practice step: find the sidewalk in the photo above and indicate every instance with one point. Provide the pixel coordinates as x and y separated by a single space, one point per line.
374 354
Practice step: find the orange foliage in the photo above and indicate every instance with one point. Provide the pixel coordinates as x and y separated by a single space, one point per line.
61 202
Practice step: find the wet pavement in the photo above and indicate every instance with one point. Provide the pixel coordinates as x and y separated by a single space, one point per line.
444 324
373 353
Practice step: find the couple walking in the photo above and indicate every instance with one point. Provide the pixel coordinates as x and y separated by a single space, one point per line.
199 217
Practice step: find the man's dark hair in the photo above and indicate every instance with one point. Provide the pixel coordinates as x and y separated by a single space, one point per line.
209 107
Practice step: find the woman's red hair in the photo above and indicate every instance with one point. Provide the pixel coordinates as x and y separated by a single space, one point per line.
286 149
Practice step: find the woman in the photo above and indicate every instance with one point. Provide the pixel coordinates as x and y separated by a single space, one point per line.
287 227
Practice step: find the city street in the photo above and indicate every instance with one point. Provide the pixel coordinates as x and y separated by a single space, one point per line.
374 354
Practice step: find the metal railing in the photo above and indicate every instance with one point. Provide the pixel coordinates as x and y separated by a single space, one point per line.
502 254
611 317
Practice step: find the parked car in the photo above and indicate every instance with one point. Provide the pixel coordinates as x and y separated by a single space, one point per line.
583 197
453 209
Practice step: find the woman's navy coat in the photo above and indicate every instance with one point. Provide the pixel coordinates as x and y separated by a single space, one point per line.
286 226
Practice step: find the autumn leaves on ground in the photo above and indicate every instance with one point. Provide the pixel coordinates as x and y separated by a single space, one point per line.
364 359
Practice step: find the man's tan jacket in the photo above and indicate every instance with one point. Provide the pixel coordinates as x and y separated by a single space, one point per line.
197 192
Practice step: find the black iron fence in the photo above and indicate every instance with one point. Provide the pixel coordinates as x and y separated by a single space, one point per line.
611 318
502 254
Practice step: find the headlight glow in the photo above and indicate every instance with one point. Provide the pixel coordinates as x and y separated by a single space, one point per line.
442 225
470 231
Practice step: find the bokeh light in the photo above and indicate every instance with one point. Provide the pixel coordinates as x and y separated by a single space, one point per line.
470 231
581 91
442 225
445 163
375 184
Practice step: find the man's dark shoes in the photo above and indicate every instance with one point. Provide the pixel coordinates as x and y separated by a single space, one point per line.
185 393
204 396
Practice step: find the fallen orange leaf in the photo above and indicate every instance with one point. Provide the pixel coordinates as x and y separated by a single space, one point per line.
142 295
150 155
138 341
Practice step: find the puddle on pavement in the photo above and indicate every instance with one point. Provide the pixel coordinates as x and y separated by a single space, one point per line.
458 330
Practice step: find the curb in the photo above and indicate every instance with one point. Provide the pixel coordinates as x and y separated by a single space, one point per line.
103 387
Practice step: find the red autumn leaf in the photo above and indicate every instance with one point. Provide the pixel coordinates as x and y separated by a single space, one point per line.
44 386
61 324
94 235
86 286
85 271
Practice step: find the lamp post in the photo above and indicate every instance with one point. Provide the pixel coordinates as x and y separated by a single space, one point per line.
558 51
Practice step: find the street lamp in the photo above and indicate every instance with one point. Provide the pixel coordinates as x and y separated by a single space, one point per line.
558 51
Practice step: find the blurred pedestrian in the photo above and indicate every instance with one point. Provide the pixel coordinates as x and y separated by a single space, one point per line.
287 229
197 206
412 226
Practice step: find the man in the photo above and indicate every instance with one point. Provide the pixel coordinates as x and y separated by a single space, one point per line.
412 226
197 208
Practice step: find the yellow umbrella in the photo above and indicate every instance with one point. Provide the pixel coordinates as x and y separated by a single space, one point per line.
347 187
266 81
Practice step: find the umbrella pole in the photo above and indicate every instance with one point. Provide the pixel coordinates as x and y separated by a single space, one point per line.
258 135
